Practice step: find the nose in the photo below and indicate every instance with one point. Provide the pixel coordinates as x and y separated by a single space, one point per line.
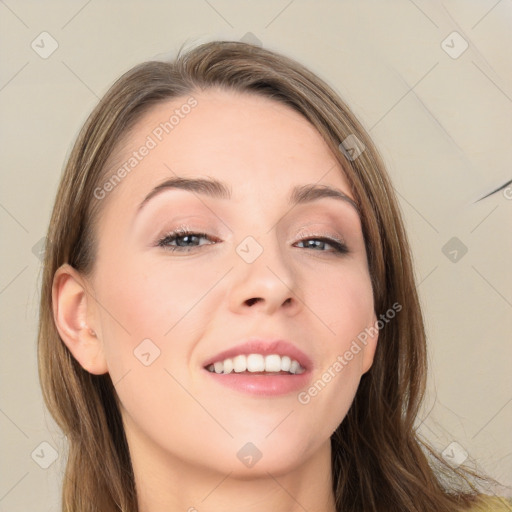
266 284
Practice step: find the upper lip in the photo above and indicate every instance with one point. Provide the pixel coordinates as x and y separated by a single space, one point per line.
259 346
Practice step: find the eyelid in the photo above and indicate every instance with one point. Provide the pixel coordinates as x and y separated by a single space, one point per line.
304 233
186 228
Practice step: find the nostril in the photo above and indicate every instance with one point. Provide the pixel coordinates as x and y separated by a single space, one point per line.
250 302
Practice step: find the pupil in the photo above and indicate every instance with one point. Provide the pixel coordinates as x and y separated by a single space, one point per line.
183 238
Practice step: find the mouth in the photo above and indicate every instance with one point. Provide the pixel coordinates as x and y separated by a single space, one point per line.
261 368
257 364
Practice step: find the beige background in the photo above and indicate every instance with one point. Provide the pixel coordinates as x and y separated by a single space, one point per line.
443 125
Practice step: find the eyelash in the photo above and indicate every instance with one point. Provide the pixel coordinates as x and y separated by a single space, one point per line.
338 245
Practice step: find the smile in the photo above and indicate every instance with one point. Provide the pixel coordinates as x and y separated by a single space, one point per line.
257 363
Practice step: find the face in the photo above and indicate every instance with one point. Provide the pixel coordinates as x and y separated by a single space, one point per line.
257 267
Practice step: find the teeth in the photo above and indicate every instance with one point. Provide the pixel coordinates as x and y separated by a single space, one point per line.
239 364
285 363
228 366
273 363
255 363
294 368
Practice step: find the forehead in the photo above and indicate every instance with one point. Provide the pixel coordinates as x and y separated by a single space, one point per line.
254 143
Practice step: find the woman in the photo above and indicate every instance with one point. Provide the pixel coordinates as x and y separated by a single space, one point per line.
229 318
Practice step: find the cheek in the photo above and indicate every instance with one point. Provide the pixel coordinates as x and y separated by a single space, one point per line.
343 301
149 331
150 300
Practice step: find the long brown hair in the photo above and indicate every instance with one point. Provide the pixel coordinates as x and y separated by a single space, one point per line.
379 463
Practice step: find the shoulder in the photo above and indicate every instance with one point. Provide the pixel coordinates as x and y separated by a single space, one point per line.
492 504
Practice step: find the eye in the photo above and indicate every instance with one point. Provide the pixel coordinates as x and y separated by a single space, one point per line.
185 240
322 241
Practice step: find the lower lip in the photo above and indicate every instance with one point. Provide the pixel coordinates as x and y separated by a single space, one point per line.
262 385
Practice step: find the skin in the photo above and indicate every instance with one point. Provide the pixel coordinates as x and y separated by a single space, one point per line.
184 431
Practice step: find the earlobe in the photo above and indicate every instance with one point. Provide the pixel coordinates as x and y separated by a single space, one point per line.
72 308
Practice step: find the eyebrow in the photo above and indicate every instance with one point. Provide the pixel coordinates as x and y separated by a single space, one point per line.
300 194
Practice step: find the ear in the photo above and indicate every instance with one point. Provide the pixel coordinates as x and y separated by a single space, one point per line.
370 345
75 317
